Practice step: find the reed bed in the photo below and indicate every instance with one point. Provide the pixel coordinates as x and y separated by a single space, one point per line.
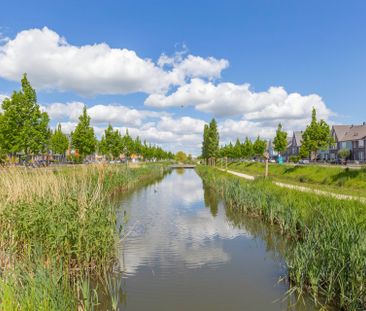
59 224
328 255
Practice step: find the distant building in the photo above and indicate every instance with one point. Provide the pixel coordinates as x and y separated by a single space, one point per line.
349 137
294 144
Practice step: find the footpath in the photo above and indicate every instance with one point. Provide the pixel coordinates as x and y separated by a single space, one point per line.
301 188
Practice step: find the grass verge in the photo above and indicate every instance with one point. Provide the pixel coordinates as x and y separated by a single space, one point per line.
331 179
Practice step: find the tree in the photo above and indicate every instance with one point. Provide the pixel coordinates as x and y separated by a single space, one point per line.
344 153
213 140
83 138
315 137
111 143
280 141
59 142
206 130
128 144
259 147
181 157
247 148
237 149
24 128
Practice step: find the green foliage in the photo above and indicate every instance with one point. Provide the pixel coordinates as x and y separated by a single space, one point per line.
247 149
111 143
23 127
315 137
83 138
181 157
259 147
344 153
66 217
294 159
59 142
211 140
280 141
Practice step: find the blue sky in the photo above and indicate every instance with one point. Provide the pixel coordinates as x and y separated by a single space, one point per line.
314 50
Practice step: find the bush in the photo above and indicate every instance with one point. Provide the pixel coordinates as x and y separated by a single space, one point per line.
294 159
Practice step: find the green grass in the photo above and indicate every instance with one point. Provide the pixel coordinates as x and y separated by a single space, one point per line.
333 179
65 216
328 253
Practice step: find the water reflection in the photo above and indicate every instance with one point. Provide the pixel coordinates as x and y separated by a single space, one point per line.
185 251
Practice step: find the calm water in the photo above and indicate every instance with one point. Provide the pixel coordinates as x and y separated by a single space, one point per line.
184 251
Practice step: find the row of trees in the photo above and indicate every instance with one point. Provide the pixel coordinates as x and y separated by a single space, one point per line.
113 144
212 150
24 129
316 137
244 150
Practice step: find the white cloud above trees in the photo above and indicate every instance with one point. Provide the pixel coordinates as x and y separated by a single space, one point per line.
52 63
180 80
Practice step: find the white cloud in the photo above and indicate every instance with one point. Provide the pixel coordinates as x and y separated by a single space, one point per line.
70 110
228 99
52 63
116 115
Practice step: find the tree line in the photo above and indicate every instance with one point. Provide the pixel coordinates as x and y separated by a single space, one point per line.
211 148
25 130
316 137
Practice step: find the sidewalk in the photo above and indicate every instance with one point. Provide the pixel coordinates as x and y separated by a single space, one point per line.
301 188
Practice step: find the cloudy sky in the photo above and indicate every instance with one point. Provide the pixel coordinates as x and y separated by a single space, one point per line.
163 69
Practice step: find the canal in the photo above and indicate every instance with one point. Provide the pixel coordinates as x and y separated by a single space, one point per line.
181 249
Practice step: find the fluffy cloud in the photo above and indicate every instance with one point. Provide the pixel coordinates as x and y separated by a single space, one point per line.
228 99
52 63
117 115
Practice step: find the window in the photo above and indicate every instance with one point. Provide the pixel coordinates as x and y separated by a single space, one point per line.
361 143
361 156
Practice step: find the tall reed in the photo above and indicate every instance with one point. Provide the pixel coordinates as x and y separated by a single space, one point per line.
328 256
64 216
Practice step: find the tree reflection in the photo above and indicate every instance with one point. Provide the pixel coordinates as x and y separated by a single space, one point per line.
211 199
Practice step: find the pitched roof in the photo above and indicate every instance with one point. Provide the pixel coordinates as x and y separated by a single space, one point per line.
289 141
298 138
350 132
355 132
340 130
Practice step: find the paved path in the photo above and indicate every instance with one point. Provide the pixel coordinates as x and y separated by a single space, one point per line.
301 188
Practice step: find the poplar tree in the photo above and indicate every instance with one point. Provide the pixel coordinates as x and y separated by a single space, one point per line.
315 137
111 143
247 148
24 127
280 141
213 140
205 141
83 138
259 147
59 142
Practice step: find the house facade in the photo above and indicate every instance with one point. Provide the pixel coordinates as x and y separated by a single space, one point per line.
294 144
349 137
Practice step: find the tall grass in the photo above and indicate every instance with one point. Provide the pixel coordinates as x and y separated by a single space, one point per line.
66 217
328 256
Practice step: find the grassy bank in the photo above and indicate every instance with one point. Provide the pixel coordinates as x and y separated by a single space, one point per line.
328 257
332 179
58 227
